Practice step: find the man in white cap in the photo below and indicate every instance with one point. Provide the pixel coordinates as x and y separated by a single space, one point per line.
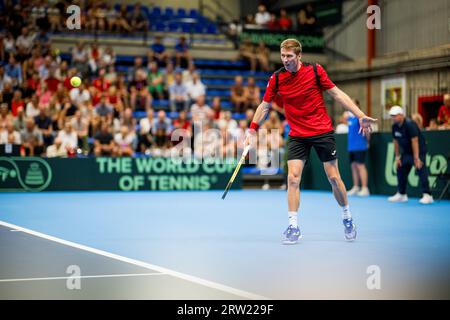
410 150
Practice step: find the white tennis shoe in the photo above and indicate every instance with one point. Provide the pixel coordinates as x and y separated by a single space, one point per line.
426 199
353 191
398 197
364 192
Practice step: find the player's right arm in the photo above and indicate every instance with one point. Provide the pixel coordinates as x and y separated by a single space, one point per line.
261 112
258 118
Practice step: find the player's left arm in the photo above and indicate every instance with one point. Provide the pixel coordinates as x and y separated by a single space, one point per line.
341 97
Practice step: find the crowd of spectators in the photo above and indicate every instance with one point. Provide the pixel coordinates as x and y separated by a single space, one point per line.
42 114
51 15
303 20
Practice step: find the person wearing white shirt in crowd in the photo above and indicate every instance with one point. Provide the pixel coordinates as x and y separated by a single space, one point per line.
262 17
9 130
80 95
68 136
94 53
146 123
56 149
200 111
107 58
24 42
124 142
61 70
188 74
9 44
227 122
32 108
207 143
195 87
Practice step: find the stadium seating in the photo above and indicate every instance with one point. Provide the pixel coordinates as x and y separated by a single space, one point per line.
170 19
217 75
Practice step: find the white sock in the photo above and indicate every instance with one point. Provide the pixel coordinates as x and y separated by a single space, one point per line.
293 218
346 214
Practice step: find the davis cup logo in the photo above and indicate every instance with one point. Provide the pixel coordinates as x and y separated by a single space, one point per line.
24 174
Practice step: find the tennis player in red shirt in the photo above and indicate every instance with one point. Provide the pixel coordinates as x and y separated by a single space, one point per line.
300 86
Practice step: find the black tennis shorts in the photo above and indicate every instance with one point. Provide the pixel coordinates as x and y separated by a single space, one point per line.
357 156
325 145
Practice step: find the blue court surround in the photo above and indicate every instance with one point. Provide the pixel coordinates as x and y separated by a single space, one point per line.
236 242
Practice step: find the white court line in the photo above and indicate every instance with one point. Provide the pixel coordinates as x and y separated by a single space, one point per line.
203 282
86 277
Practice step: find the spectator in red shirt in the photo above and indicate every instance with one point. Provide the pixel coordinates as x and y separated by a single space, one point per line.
273 23
33 81
94 55
182 133
216 107
17 102
52 82
72 72
284 22
300 86
101 83
182 122
444 111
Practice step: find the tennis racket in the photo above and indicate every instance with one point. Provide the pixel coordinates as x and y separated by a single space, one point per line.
236 170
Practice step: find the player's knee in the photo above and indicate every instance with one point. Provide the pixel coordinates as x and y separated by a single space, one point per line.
293 180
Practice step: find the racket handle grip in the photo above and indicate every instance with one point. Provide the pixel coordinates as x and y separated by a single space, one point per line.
246 150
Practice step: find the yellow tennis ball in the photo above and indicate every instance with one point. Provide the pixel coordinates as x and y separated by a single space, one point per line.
75 81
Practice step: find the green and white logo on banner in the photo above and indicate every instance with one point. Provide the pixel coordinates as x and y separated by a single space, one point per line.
24 174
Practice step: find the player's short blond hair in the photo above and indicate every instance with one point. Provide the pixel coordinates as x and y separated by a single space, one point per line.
293 44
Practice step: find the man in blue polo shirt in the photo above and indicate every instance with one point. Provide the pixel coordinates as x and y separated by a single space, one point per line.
410 150
158 52
357 149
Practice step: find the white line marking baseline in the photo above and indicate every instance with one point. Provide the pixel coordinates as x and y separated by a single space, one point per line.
193 279
86 277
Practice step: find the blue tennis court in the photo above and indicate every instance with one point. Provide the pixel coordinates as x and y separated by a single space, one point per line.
193 245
